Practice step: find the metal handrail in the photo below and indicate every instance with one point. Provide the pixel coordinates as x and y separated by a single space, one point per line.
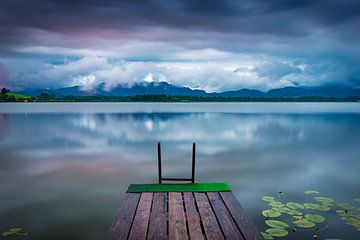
192 179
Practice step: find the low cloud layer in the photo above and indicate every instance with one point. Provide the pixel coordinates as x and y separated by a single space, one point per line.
214 45
90 72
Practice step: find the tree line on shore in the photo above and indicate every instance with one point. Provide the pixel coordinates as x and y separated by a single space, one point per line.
7 96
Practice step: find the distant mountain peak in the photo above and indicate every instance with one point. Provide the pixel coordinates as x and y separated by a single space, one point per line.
152 88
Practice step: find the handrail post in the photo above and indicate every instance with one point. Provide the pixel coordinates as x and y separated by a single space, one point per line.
193 164
159 162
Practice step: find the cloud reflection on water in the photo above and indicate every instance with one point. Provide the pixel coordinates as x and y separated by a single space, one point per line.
52 160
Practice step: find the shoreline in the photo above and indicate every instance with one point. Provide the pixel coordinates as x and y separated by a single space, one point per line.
178 107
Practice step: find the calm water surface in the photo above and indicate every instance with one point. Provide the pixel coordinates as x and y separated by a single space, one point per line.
65 167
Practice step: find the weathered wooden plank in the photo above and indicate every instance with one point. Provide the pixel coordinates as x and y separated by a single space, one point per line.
158 217
247 227
192 216
121 225
211 227
227 224
177 222
141 221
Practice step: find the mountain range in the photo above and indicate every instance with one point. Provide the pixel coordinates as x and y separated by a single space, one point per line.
169 89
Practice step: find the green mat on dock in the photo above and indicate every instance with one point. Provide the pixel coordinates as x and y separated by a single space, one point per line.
185 187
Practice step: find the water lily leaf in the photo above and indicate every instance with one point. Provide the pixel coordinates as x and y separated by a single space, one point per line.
357 200
7 233
357 216
276 224
324 199
316 206
304 223
276 232
323 208
15 230
344 213
297 217
312 206
311 192
282 209
294 212
353 221
294 205
347 206
315 218
267 198
266 236
270 213
327 204
276 204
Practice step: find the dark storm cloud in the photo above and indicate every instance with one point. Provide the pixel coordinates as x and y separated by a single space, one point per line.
280 41
274 17
2 76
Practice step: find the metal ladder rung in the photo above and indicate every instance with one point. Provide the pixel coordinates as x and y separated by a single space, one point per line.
192 179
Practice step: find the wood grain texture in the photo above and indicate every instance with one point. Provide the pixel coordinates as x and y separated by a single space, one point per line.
192 217
176 215
158 217
142 216
241 218
208 218
121 225
177 220
227 224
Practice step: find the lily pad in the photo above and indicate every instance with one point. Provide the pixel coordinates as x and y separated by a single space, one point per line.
311 192
297 217
323 208
315 218
276 204
316 206
294 205
270 213
325 200
346 206
276 232
344 213
14 231
266 236
357 200
294 212
353 221
304 223
276 224
267 198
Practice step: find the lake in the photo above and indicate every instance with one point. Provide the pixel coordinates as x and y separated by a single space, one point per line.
65 167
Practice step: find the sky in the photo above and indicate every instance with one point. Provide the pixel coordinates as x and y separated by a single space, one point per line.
214 45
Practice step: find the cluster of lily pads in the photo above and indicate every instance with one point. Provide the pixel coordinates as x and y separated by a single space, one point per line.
284 217
14 231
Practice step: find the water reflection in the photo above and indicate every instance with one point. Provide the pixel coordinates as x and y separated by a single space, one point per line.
69 171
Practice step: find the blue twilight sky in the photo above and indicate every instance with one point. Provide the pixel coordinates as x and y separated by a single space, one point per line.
215 45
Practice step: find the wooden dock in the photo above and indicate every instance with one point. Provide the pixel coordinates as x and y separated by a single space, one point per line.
182 215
